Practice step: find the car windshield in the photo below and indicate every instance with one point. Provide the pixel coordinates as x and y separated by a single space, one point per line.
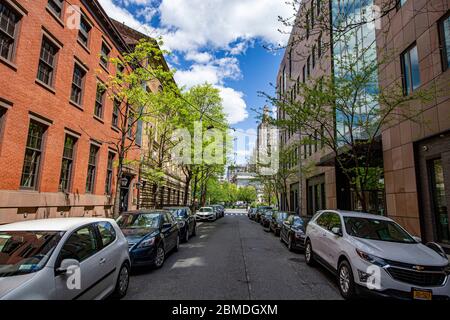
137 221
376 229
282 216
205 210
298 222
23 252
177 213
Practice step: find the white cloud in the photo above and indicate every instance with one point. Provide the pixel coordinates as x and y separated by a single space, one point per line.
215 73
199 57
233 104
193 24
189 27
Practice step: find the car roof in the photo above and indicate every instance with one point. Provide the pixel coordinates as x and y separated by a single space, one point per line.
135 212
55 224
355 214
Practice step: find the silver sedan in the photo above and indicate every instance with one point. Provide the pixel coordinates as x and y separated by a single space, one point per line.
67 258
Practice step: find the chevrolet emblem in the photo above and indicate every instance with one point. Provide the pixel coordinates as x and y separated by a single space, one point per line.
419 268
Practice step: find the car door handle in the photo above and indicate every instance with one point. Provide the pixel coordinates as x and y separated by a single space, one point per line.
102 260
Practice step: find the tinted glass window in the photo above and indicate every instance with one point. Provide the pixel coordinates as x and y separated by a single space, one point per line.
375 229
81 245
107 233
23 252
144 220
323 220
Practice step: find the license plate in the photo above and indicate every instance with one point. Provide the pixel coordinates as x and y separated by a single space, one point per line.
419 294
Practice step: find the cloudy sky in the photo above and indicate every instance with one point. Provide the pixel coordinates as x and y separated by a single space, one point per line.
216 41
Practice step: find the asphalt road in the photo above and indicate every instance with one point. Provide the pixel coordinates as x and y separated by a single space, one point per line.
233 258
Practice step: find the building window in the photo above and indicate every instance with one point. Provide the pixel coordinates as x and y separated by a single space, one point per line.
77 84
439 202
9 21
319 46
444 36
130 124
115 114
312 13
99 101
2 119
308 67
33 153
313 56
85 29
47 62
410 70
304 73
400 4
92 167
109 173
307 25
104 55
65 179
56 6
318 6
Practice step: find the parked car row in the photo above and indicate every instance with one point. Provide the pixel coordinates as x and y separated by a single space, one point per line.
211 213
87 258
367 253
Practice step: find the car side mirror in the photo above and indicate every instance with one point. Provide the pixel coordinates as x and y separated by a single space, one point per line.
66 265
418 239
337 231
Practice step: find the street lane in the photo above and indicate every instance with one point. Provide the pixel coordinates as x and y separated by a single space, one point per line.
233 258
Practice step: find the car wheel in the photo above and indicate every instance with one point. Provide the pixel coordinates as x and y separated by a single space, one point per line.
123 281
309 254
281 238
160 256
186 234
346 282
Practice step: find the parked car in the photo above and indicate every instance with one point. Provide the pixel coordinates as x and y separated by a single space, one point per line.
374 254
292 232
219 210
151 235
251 213
186 222
259 211
39 257
206 213
277 219
265 219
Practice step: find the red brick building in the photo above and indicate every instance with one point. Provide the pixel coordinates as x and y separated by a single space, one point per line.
53 120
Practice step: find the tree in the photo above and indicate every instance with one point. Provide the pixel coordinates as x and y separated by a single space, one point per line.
165 109
128 90
247 194
345 112
204 108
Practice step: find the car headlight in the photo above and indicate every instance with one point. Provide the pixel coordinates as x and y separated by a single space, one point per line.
371 258
147 243
447 269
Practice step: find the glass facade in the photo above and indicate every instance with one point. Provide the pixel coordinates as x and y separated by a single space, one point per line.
354 48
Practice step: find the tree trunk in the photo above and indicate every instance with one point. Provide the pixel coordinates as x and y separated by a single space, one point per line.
116 207
186 190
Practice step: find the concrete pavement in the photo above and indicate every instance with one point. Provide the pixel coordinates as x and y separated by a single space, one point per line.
233 258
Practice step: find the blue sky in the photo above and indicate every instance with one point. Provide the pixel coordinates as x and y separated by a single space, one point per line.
215 41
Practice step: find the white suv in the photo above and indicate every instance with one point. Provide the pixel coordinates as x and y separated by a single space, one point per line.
375 254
